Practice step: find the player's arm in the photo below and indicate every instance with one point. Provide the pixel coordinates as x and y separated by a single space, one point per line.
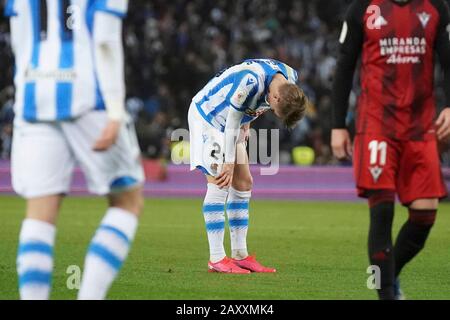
232 129
442 47
351 40
245 89
109 63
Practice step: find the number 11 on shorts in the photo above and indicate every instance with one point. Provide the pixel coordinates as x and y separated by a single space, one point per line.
378 156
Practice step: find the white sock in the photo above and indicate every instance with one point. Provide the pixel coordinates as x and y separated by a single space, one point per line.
35 259
107 251
214 214
237 211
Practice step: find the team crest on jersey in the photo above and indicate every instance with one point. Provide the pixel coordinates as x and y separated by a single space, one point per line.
250 81
376 172
424 18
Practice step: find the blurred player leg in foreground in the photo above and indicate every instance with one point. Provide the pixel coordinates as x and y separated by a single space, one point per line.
115 172
111 243
36 241
413 235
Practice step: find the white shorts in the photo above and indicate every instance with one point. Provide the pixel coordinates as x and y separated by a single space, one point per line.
44 155
206 144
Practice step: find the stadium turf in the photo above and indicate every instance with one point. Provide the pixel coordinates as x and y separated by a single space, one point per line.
319 250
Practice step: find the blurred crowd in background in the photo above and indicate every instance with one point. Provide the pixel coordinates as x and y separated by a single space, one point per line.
174 47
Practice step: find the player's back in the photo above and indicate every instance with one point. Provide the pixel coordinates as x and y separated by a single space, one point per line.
243 86
53 45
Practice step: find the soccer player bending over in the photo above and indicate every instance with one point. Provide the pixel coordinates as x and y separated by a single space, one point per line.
219 118
69 68
395 147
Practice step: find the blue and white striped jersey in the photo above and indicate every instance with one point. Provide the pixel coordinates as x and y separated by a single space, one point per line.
243 87
55 76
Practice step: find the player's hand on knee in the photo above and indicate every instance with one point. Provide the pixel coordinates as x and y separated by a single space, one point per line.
226 175
443 124
341 144
108 137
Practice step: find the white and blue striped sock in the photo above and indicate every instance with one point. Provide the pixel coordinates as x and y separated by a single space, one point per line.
107 252
237 211
35 259
214 214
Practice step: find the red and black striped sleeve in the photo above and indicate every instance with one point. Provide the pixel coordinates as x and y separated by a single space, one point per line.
351 42
442 44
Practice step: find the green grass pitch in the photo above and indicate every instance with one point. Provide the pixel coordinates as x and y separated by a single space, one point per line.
319 250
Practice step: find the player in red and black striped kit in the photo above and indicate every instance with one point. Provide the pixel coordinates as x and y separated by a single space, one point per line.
395 144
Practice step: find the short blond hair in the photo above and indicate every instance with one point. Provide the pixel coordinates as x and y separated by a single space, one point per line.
293 104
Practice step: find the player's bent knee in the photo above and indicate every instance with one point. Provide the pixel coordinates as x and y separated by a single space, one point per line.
131 200
244 184
423 217
424 204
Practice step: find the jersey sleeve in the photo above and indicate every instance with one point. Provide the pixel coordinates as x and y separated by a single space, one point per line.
233 123
109 63
244 89
9 9
442 45
107 28
117 8
351 41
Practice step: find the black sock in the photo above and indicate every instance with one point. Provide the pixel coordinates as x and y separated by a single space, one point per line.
380 241
412 237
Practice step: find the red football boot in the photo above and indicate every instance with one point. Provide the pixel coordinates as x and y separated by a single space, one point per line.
226 265
251 264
